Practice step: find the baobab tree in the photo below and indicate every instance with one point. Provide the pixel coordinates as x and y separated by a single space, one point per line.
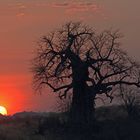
79 61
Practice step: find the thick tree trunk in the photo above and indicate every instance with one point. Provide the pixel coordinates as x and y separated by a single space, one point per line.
82 108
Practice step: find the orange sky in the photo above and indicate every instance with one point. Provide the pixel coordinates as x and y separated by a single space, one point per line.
23 22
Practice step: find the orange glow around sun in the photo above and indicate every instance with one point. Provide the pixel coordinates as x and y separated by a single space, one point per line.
12 93
3 110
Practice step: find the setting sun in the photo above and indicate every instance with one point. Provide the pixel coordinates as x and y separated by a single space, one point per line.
3 110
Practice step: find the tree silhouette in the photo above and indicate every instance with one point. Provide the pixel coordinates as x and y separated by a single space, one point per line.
130 101
75 59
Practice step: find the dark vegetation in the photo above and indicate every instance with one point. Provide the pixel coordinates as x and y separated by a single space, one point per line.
112 123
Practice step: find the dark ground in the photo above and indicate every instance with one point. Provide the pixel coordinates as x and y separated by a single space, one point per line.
112 123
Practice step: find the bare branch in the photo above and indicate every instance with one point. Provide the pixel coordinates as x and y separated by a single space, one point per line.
77 54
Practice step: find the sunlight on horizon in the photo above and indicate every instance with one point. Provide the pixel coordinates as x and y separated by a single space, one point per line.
3 110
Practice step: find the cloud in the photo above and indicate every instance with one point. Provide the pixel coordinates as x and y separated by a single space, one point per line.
70 7
22 7
40 4
18 6
17 9
20 14
77 6
67 6
83 7
59 5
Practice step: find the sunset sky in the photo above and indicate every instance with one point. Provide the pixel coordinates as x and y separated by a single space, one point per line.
22 22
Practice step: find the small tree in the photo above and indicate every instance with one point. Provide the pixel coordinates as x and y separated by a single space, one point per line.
130 100
76 59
